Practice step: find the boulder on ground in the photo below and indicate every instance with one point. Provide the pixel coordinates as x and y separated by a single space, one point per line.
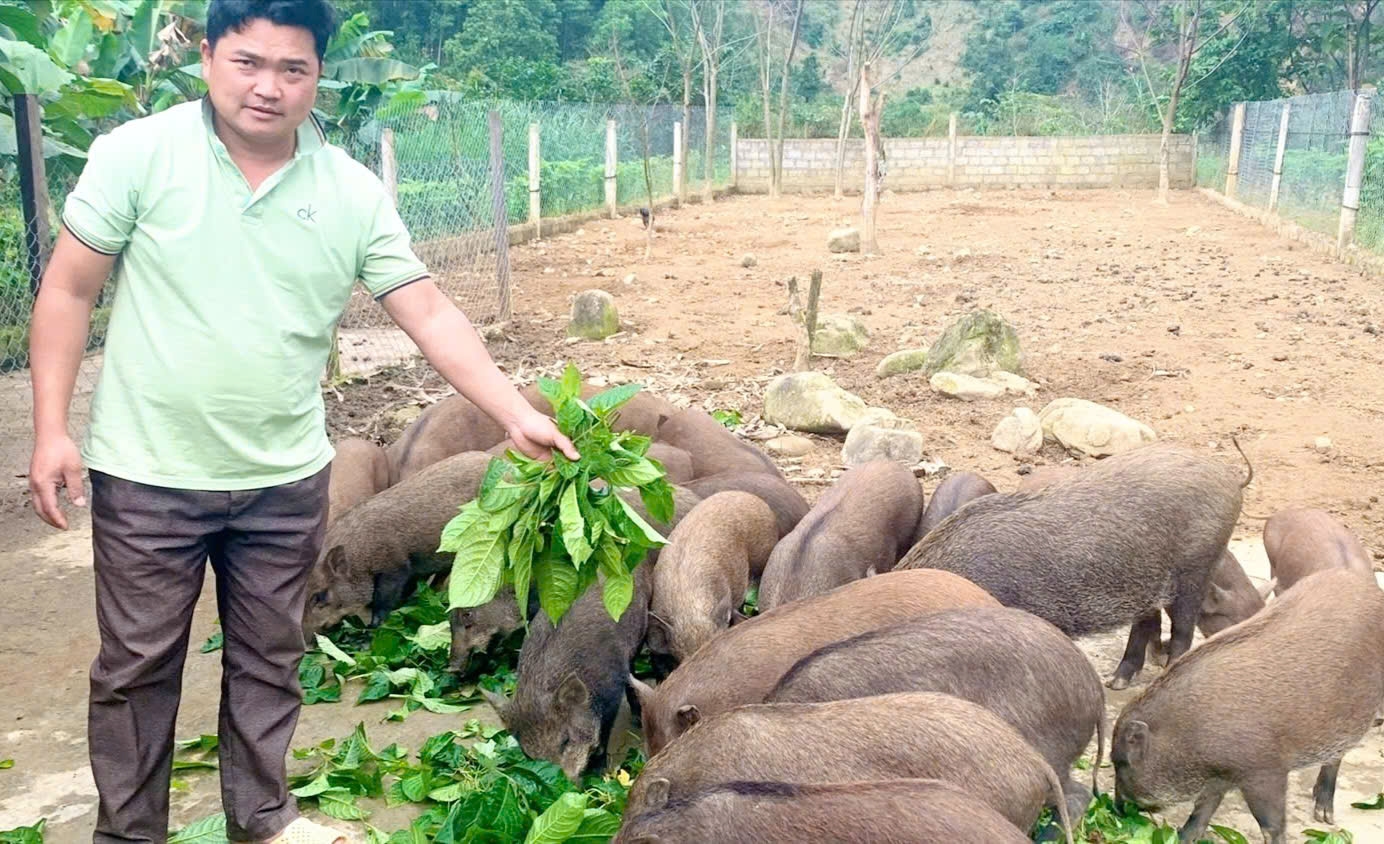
898 363
1019 433
594 316
1092 428
844 240
978 344
839 336
811 402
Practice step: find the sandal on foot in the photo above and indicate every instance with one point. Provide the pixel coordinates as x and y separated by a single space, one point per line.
304 831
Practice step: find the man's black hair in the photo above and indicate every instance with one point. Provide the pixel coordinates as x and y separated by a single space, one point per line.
316 16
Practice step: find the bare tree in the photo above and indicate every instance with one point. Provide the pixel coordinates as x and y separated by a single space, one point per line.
644 109
1185 17
671 14
855 42
764 35
1357 32
710 38
871 108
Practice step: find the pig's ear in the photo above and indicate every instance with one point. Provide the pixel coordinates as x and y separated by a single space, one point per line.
1137 740
643 692
688 716
1267 589
1216 597
498 703
334 563
657 795
572 693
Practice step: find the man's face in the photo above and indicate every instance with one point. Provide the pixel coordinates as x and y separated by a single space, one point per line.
262 80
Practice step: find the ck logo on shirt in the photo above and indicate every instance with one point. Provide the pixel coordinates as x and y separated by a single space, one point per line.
307 214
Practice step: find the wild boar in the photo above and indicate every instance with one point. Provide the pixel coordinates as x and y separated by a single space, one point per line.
892 811
359 470
376 549
1300 541
571 679
1231 597
641 414
477 629
1116 544
1011 662
450 426
859 528
783 498
677 464
743 664
713 448
704 570
922 735
955 491
1296 685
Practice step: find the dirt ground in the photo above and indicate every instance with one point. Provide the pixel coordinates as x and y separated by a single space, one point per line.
1187 317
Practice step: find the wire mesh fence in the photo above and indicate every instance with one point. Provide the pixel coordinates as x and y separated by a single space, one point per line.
1312 175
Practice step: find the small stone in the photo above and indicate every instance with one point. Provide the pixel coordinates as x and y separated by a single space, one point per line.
1019 433
594 316
1188 408
811 402
844 240
898 363
790 446
1322 444
1280 357
965 387
839 336
629 279
869 442
749 260
403 417
1091 428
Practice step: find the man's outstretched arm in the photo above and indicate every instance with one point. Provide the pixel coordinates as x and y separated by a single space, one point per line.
451 344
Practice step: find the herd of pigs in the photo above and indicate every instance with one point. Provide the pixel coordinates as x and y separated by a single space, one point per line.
911 675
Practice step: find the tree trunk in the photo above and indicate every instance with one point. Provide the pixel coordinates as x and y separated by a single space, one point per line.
783 100
709 87
853 48
869 118
681 188
765 41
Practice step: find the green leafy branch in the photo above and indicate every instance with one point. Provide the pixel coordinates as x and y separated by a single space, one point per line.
561 525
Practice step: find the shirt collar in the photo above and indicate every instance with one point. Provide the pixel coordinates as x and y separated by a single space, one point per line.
311 136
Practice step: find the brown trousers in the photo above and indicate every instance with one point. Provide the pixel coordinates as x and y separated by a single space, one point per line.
150 548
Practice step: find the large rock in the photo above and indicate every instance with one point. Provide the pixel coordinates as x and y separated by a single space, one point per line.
1019 433
868 442
811 402
979 344
594 316
1092 428
898 363
844 240
839 336
970 388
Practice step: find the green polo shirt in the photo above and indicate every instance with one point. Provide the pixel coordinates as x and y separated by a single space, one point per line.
225 298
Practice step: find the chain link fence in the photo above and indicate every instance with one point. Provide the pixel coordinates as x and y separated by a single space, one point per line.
1312 177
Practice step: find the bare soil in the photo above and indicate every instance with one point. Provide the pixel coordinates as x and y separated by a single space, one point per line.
1187 317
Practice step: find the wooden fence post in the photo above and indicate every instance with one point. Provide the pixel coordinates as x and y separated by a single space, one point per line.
535 186
734 155
500 210
679 164
1355 170
951 150
33 184
389 165
1237 136
1278 158
611 161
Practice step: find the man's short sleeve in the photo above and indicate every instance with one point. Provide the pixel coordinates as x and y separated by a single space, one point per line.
389 261
102 209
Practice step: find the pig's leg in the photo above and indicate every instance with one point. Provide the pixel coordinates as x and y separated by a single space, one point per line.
1202 811
1185 612
1144 630
1324 793
1266 795
389 594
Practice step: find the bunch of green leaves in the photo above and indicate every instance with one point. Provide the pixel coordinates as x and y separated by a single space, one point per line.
405 658
24 834
560 524
1111 823
1335 836
487 791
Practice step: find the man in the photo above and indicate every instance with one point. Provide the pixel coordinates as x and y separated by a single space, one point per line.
239 234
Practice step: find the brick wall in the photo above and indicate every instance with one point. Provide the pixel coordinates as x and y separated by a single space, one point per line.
1100 161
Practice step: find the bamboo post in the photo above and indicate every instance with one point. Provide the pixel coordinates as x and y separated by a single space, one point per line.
535 188
951 150
611 152
33 184
389 165
679 165
734 155
1355 170
1237 136
500 211
1278 158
